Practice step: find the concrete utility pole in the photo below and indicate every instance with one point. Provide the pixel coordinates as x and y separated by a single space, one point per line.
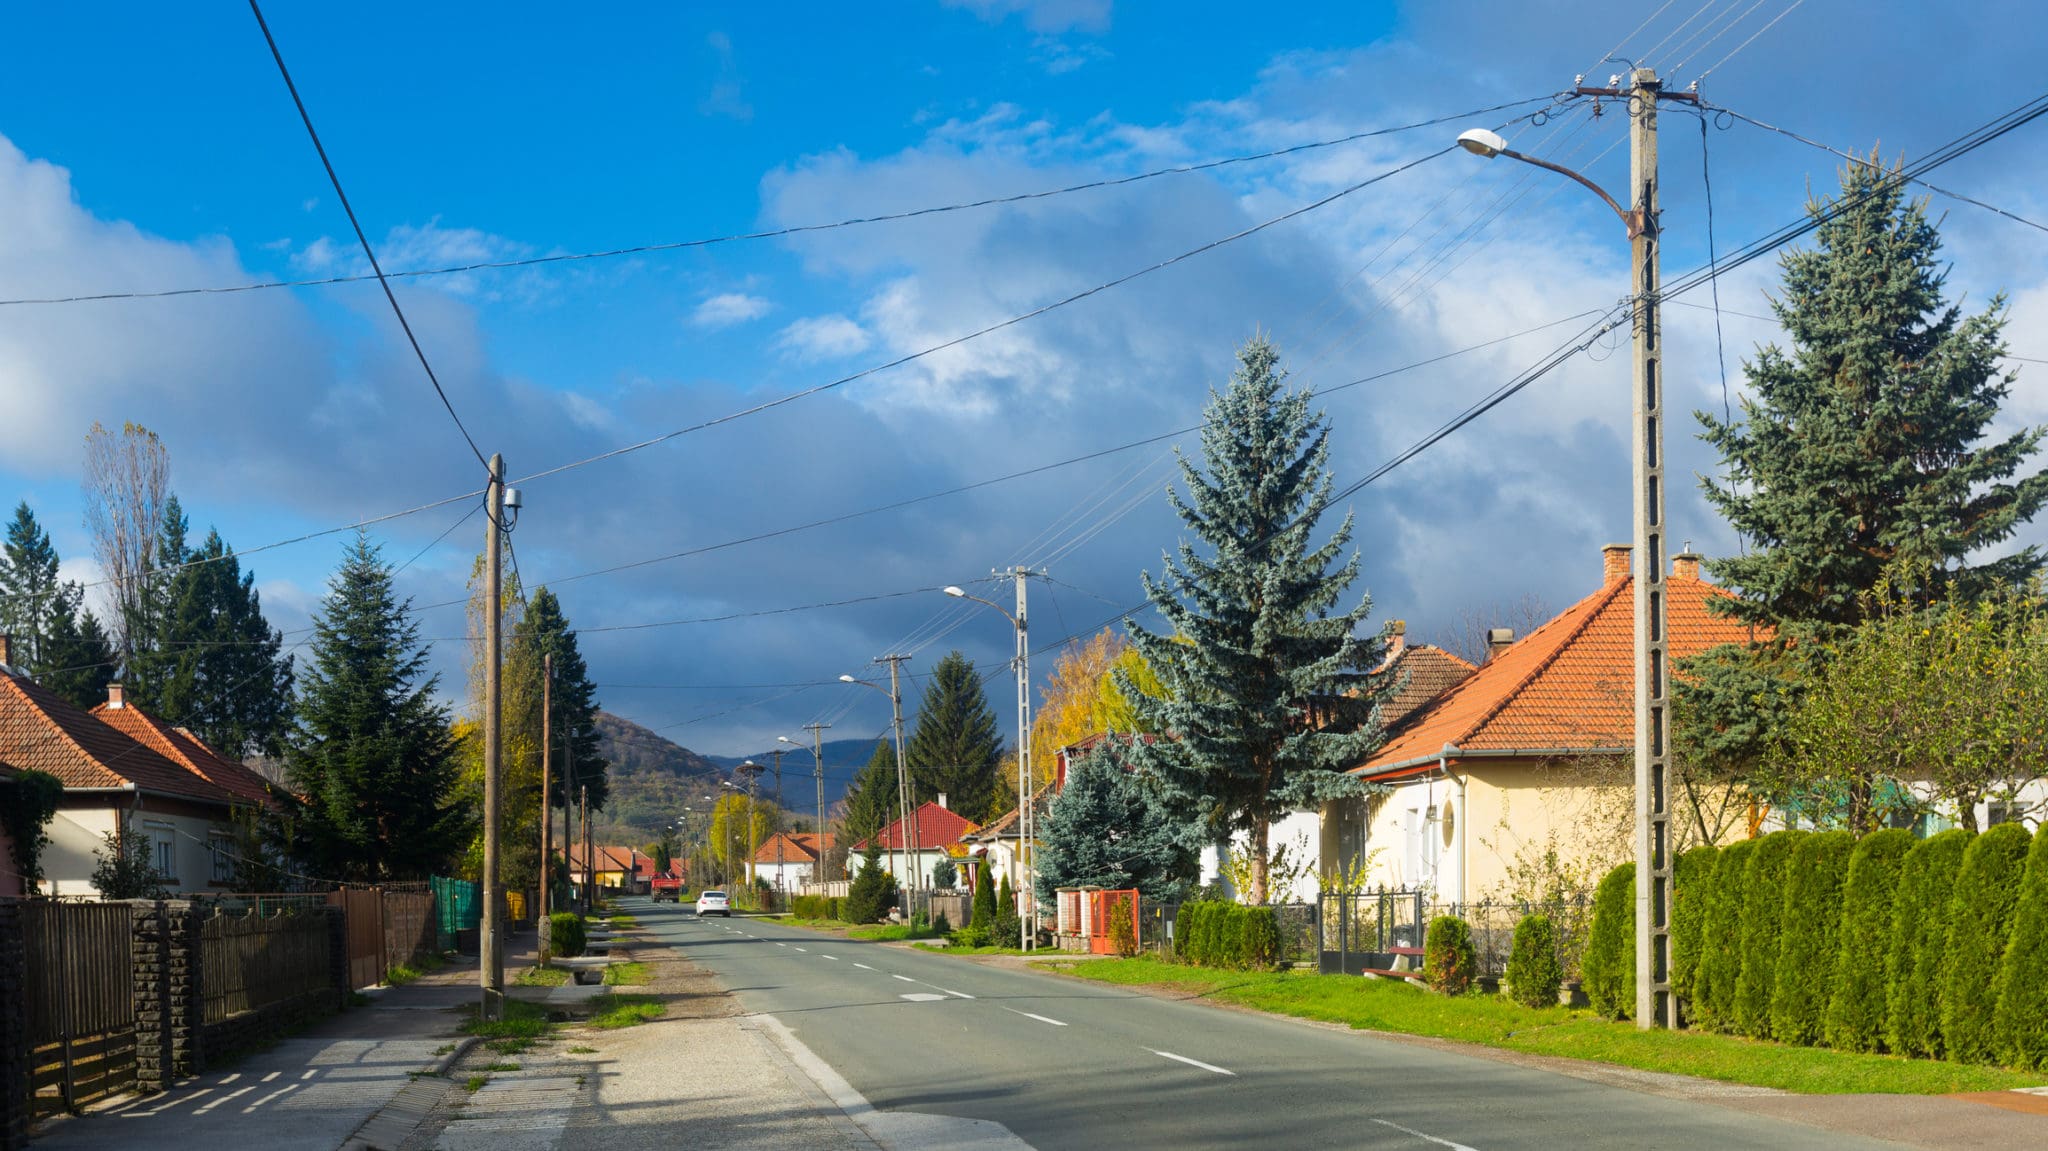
1027 918
818 771
906 830
547 817
491 971
589 859
778 810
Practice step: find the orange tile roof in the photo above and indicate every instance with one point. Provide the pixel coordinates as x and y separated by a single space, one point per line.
40 732
188 751
936 828
1567 686
797 847
1431 671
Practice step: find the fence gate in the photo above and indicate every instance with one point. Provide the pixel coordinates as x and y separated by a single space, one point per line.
81 1002
363 908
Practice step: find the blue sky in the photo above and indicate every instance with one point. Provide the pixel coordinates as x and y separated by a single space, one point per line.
145 148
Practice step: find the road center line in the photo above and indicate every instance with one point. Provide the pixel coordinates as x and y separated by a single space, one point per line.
863 967
1192 1062
782 945
1420 1135
805 950
954 994
904 978
1031 1015
833 958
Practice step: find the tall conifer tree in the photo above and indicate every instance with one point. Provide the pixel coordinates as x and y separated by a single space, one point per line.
372 753
55 639
212 662
954 749
1241 746
871 797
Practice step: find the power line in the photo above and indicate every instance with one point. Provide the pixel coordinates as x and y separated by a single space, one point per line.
774 233
1746 43
364 240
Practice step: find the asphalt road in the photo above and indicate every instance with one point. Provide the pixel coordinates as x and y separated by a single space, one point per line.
1064 1064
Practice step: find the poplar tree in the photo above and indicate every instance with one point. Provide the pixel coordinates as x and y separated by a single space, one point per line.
372 754
954 749
1253 646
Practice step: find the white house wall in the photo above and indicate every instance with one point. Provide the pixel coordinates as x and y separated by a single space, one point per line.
76 836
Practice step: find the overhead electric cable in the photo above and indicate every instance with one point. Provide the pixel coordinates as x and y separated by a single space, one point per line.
307 119
773 233
1701 78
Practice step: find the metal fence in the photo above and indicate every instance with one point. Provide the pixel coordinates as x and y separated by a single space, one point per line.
1493 929
252 961
1362 931
81 1001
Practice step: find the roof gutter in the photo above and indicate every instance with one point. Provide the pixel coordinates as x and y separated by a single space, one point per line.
1449 752
139 792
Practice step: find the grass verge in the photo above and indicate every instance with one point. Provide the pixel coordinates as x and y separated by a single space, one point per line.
1573 1033
543 977
400 974
631 974
616 1011
892 932
524 1025
624 923
937 950
834 925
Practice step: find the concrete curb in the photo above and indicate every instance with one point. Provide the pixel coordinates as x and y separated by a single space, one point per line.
462 1047
393 1123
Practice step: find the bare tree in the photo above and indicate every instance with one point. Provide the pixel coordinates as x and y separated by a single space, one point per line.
127 485
1465 635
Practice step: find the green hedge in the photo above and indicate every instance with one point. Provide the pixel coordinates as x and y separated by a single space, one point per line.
2021 1021
1692 882
1721 937
1534 973
1259 939
1212 933
1609 971
1763 921
566 935
1809 939
1855 1018
1987 891
1920 943
1449 961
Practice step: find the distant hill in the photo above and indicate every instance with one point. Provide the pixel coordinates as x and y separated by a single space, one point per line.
652 778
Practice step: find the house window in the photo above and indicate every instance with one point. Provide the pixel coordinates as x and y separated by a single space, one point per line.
164 852
222 849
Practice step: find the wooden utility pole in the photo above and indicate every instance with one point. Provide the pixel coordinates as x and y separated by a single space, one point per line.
589 856
818 771
547 816
906 828
491 969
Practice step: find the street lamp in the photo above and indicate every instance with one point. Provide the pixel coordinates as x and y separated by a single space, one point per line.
1027 928
1654 1002
906 825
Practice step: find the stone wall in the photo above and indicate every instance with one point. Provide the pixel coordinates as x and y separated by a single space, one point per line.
169 1041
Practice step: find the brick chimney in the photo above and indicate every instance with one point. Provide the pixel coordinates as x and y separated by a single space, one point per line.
1614 562
1397 637
1498 640
1685 565
114 695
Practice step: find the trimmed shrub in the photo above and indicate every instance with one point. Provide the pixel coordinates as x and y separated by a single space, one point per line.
566 936
969 937
1721 938
1856 1007
1229 945
984 895
1987 892
1123 934
1920 943
1692 881
1763 922
1609 971
2020 1021
1184 920
1258 939
1809 938
1534 973
1449 961
872 892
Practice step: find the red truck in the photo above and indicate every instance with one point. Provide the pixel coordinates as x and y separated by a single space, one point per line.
668 887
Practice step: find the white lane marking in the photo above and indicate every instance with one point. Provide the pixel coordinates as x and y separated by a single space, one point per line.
904 978
1420 1135
1192 1062
806 950
227 1079
782 945
922 997
224 1099
954 994
863 967
310 1074
833 958
269 1097
1031 1015
272 1075
890 1128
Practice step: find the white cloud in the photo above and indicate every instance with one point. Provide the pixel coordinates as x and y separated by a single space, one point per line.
729 308
824 338
1042 15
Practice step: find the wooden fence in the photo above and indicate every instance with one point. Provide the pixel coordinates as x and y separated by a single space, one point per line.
408 925
81 1002
249 962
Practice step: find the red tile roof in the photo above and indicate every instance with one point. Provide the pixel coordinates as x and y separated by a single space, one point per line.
40 732
626 860
797 847
1430 671
1567 686
188 751
937 828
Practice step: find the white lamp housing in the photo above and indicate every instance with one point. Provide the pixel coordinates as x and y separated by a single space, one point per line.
1482 142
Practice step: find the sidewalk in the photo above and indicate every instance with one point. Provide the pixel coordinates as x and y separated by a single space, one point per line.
311 1090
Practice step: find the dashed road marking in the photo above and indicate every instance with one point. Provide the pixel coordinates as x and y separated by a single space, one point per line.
863 967
922 997
1192 1062
833 958
1034 1015
1420 1135
904 978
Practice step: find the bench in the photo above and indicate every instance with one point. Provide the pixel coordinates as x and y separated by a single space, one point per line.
1392 973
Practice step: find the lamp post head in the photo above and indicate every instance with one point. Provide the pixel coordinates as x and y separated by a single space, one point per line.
956 593
785 739
847 679
1482 142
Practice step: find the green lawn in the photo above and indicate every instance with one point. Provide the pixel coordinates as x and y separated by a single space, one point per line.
892 932
809 924
543 977
935 949
1575 1033
524 1025
634 974
616 1011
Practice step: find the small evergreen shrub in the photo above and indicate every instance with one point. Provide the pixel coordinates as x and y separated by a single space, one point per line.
1259 946
1609 970
2020 1022
1721 938
1449 961
1184 920
872 892
1810 936
1863 962
1920 943
566 935
1229 945
969 937
1534 973
984 895
1763 922
1692 882
1987 891
1123 933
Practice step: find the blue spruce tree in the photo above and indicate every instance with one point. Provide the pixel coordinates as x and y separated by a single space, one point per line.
1269 696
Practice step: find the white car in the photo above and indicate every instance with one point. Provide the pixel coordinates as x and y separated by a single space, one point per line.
713 903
